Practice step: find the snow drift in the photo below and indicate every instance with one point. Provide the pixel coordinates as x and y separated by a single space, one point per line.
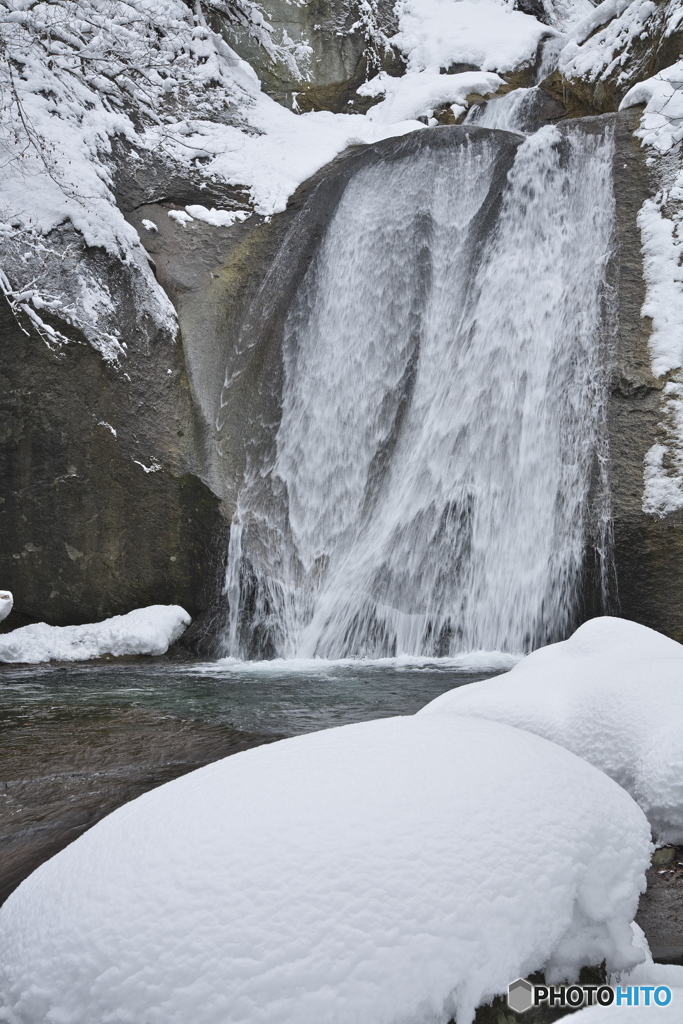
398 870
612 694
149 630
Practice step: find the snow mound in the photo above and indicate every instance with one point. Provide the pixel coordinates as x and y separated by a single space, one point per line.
435 34
149 630
662 95
6 602
612 694
417 95
398 870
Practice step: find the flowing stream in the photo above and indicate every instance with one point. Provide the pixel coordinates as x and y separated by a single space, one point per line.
438 471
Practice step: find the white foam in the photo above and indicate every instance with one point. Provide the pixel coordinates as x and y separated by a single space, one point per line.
474 661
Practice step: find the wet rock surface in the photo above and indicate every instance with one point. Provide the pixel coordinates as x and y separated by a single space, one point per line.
660 913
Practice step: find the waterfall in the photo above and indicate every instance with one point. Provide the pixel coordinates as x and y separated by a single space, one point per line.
442 414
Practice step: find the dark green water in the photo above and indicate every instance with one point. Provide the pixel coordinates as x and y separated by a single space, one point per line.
77 741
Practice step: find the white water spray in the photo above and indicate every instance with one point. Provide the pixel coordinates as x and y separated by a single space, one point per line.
441 413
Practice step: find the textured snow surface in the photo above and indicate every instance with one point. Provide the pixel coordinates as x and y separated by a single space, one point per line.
279 151
663 276
417 95
663 463
613 694
660 220
600 45
435 34
149 76
144 631
662 122
401 870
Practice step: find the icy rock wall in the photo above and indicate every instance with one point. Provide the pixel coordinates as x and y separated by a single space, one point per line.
442 410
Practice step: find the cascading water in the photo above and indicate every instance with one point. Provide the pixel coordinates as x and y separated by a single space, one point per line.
442 409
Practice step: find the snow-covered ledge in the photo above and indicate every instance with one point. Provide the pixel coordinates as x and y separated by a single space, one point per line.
149 630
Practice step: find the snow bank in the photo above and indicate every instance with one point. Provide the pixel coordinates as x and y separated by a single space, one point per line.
280 150
662 122
601 43
612 694
417 95
6 602
392 871
434 34
144 631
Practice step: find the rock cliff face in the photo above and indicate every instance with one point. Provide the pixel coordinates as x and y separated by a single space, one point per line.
347 42
615 51
119 477
648 549
101 508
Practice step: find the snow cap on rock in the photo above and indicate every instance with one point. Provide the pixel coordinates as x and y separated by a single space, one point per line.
612 694
149 630
389 872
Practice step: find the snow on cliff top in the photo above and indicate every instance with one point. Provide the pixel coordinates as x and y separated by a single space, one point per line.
80 79
152 73
149 630
393 871
435 34
612 694
600 45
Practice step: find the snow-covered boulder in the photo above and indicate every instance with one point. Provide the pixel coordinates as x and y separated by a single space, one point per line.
398 870
149 630
6 602
613 694
617 44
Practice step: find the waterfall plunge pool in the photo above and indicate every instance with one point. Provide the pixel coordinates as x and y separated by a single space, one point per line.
80 740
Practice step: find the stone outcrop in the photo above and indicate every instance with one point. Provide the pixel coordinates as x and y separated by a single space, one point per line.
644 39
347 43
102 508
648 550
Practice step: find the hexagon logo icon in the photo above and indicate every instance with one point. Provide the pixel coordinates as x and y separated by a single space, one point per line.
520 995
